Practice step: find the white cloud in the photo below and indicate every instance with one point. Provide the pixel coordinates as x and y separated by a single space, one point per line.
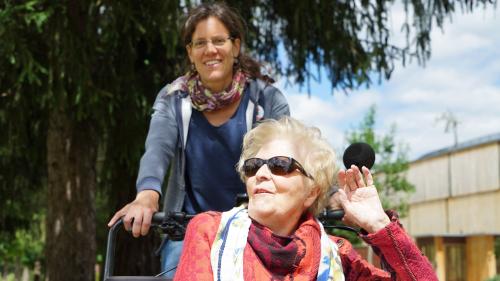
316 112
462 76
333 115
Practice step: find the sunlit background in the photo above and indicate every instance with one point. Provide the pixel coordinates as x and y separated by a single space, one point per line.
462 77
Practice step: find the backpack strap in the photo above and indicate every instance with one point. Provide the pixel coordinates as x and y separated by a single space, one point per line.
250 115
186 110
255 109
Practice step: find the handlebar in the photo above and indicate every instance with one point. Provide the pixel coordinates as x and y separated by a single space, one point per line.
160 217
172 223
331 215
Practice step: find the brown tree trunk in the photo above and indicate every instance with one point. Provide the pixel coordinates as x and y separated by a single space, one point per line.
71 158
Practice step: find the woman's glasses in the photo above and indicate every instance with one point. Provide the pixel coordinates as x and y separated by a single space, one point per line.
203 43
278 165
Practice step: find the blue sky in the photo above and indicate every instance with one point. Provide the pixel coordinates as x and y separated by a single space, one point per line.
462 76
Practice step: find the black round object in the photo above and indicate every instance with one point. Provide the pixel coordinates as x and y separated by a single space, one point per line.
359 154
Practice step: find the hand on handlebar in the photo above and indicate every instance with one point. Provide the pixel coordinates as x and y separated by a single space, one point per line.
137 215
359 198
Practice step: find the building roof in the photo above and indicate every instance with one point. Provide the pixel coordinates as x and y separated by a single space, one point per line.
462 146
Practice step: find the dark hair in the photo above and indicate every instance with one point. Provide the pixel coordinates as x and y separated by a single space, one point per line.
233 22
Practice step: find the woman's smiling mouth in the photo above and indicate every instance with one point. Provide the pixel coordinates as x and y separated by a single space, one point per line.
212 63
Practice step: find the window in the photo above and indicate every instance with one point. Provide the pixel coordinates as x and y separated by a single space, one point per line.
497 253
456 264
428 248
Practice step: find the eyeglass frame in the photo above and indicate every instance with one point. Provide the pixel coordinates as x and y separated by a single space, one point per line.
206 41
294 164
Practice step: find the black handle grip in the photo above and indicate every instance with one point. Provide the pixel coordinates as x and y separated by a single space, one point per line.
329 215
159 217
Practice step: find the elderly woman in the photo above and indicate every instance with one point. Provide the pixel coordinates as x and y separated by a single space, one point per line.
288 169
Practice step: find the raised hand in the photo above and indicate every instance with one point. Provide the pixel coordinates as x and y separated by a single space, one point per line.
359 198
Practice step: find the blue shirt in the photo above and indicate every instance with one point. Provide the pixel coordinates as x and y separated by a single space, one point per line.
212 153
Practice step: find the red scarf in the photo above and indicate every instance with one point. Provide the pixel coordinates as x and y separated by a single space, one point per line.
281 255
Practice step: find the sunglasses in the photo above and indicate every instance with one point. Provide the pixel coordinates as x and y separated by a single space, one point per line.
278 165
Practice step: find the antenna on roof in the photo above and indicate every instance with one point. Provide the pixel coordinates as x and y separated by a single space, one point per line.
451 124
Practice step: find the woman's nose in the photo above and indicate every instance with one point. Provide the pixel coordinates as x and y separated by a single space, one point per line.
263 172
210 48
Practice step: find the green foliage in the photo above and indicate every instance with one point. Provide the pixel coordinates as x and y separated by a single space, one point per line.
390 165
350 39
494 278
26 245
22 122
90 60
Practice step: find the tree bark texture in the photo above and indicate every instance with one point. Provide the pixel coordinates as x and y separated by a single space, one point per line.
71 157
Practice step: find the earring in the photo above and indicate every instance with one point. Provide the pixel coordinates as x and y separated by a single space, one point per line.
193 67
236 61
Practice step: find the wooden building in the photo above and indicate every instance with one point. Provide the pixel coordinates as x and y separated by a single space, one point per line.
454 215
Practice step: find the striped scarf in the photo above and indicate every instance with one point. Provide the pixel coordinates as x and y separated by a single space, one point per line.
202 99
